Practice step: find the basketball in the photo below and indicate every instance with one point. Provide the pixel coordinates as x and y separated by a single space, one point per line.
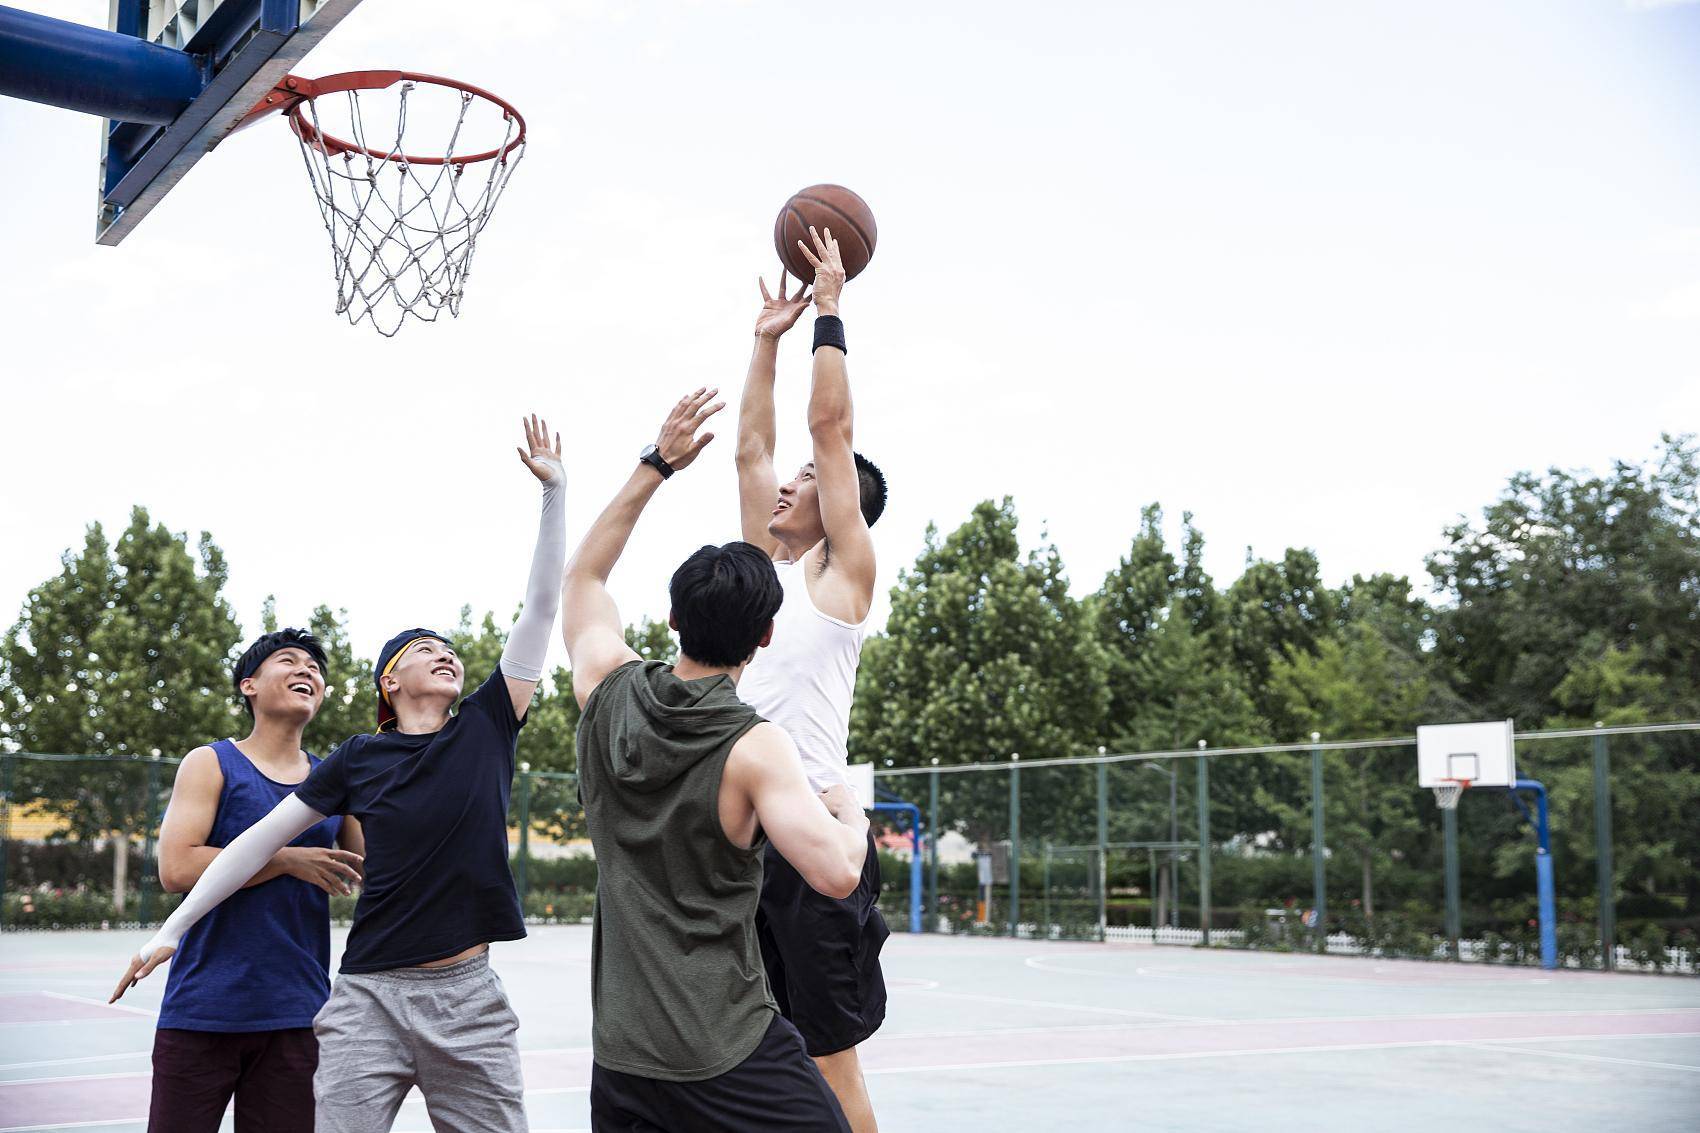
825 206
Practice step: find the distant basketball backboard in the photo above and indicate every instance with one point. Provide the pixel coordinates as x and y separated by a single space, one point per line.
1478 754
239 48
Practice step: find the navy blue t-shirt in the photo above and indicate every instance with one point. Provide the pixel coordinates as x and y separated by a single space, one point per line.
434 809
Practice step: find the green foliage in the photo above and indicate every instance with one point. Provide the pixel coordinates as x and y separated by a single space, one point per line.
126 651
1565 568
985 655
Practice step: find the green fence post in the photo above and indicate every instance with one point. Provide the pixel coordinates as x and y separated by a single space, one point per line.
1454 913
1045 890
1014 847
524 854
1602 854
1204 843
1318 846
1103 850
144 911
5 833
933 851
1151 861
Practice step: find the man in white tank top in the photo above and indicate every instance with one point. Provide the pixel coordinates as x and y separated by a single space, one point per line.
821 954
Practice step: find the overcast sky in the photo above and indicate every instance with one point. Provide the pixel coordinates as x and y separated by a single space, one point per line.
1325 274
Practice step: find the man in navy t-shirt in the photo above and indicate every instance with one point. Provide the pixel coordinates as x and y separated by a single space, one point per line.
416 1003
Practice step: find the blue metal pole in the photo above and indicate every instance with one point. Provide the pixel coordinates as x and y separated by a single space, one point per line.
93 70
914 813
915 869
1544 887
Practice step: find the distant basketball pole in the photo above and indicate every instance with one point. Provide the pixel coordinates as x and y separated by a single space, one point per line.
1544 890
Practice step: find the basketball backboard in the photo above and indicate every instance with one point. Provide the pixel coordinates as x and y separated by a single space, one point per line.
1479 754
240 49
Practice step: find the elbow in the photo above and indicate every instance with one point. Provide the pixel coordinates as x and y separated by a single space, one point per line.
172 880
751 454
829 424
837 883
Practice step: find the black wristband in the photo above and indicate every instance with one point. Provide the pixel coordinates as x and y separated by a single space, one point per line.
829 331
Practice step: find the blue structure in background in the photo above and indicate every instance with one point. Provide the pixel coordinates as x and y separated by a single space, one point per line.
166 105
894 804
1544 886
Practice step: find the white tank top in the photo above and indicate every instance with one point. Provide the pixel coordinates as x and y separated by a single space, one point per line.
805 680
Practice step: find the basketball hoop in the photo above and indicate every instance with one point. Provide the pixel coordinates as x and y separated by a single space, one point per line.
1446 795
403 226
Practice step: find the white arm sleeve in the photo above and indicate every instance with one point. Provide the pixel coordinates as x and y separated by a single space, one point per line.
235 864
528 642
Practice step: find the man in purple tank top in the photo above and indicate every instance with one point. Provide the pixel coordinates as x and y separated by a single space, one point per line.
237 1018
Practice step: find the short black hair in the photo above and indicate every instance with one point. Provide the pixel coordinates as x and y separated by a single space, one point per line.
870 482
249 663
724 599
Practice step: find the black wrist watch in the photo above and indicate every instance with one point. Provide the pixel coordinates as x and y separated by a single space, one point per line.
652 457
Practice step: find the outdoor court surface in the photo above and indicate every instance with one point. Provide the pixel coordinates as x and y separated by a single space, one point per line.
989 1034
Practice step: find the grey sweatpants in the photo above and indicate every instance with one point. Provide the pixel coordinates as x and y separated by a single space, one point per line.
449 1031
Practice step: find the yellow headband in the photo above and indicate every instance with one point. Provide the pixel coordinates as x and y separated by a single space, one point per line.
384 692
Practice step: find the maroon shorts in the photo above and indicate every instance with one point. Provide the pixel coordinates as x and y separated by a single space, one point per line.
269 1073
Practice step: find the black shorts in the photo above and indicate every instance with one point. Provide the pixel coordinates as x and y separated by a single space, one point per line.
775 1090
269 1073
823 955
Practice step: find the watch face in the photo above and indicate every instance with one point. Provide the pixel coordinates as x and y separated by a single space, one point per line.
649 450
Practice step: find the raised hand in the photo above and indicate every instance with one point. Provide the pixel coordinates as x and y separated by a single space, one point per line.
779 315
139 969
678 442
543 460
829 270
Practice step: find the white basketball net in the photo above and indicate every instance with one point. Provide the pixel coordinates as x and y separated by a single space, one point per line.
1446 796
403 234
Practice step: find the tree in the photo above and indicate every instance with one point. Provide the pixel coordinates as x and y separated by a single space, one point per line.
985 655
125 652
1361 686
1566 568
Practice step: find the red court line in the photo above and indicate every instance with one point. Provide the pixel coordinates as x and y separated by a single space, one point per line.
54 1103
103 1098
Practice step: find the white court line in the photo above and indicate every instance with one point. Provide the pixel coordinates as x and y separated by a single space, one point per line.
1182 1056
75 1125
73 1061
1490 1044
69 998
1069 1007
76 1078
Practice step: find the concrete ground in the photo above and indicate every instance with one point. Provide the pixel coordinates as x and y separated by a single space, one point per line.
991 1034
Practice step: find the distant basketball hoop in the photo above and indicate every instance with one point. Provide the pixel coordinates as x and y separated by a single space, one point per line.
403 225
1446 795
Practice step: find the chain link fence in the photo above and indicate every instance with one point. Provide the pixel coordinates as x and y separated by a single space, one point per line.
1320 847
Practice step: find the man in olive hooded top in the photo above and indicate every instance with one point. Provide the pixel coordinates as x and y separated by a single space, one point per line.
683 785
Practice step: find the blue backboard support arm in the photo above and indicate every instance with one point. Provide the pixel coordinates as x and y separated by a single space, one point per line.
95 71
1544 884
914 813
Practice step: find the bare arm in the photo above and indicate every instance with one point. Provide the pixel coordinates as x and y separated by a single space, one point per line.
590 622
850 548
241 860
824 836
184 854
758 485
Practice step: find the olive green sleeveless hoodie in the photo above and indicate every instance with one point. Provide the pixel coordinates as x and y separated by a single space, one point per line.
677 982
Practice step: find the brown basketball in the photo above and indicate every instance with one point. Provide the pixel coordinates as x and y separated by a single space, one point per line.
825 206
